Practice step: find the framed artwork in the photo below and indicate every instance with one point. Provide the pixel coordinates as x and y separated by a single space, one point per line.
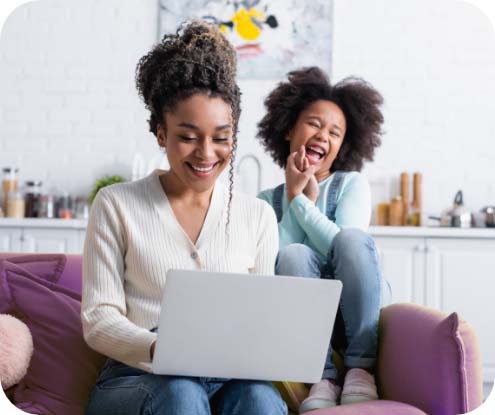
271 36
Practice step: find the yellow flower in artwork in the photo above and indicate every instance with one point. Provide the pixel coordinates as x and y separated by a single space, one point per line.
223 29
244 23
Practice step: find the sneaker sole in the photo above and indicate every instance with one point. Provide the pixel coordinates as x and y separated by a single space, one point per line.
357 398
316 404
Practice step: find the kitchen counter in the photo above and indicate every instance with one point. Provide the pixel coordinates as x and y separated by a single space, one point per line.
432 232
43 223
403 231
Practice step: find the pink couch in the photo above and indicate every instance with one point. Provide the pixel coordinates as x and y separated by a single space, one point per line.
429 363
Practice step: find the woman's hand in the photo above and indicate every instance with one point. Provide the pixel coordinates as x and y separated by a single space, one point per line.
312 189
152 350
295 179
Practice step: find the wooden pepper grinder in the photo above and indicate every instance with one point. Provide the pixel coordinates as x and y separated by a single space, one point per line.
417 198
404 192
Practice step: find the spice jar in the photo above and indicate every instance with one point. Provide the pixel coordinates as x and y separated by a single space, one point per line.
15 205
9 184
32 198
82 208
64 207
396 212
46 206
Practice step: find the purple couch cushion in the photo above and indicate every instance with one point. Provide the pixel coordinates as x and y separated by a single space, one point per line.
63 368
63 269
438 371
46 266
370 408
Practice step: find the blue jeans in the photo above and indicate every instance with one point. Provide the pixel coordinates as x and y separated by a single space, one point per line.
353 260
124 390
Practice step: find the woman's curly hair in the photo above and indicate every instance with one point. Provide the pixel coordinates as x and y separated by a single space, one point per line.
196 59
357 99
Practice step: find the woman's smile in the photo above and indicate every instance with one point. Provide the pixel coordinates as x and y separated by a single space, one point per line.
202 170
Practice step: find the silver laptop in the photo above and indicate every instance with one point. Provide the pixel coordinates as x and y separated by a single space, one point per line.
245 326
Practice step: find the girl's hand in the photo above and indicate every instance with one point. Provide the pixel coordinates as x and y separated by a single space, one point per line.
312 190
295 179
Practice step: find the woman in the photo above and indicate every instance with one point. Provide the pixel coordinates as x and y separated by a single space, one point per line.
321 134
180 218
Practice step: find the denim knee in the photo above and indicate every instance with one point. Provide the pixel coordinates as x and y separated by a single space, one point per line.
297 260
253 397
148 394
353 245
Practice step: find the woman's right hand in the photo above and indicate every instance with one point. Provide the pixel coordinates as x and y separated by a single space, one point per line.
152 350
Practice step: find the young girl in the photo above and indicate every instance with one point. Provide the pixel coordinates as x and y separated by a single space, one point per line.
180 218
321 134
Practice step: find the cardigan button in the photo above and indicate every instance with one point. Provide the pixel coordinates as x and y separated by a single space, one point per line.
194 255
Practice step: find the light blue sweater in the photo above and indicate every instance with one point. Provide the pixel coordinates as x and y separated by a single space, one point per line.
306 222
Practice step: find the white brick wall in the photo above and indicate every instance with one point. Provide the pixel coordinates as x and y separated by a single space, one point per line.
434 62
69 111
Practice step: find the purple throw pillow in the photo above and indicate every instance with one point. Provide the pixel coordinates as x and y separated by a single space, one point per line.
47 266
63 368
429 359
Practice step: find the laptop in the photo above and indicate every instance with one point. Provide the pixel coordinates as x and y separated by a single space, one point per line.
245 326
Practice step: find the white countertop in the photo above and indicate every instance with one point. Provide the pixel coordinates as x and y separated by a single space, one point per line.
397 231
432 232
43 223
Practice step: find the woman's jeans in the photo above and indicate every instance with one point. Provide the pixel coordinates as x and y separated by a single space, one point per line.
124 390
353 260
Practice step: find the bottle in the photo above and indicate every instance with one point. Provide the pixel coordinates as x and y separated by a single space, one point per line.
9 184
32 198
15 205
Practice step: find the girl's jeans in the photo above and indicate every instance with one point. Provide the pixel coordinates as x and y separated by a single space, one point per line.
124 390
353 260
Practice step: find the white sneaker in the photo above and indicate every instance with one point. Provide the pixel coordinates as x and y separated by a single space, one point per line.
359 386
323 394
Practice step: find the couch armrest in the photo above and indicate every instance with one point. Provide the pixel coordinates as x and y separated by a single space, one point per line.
429 360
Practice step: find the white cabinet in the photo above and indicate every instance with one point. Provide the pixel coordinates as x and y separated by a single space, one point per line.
402 265
42 235
10 240
447 269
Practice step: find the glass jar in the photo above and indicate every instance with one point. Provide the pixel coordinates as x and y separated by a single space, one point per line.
15 205
82 208
46 206
9 184
32 198
64 207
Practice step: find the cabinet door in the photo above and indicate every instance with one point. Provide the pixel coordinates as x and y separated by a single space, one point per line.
402 263
461 277
10 240
50 240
